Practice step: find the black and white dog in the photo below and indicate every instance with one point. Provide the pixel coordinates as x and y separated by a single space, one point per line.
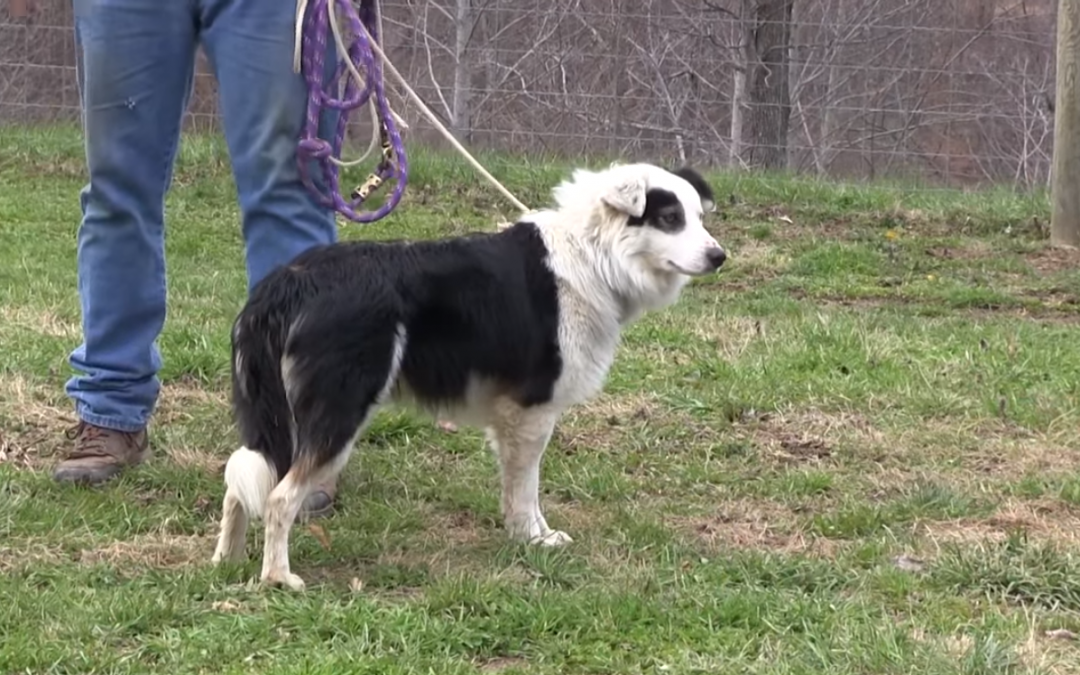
503 331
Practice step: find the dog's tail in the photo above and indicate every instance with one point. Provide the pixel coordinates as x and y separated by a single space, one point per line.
260 405
250 477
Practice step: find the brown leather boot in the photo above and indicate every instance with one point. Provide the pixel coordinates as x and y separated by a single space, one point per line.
320 502
100 454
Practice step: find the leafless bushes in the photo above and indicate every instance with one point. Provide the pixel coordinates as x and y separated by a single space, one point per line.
949 91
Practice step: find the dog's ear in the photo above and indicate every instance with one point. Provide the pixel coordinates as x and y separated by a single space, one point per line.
625 192
692 176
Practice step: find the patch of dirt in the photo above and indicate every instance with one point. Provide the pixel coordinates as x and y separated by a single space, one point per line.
858 301
754 525
805 436
1055 302
1051 260
1051 315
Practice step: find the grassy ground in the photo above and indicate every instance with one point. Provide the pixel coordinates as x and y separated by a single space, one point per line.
854 451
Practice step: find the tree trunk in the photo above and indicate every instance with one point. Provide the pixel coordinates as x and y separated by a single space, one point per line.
460 121
738 100
768 99
1065 171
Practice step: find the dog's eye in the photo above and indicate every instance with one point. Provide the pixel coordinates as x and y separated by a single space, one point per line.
670 218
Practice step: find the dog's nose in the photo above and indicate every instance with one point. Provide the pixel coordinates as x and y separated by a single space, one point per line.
716 257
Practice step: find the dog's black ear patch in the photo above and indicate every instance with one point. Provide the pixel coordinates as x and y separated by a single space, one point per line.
663 211
700 186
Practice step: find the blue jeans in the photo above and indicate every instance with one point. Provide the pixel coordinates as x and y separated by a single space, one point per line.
135 72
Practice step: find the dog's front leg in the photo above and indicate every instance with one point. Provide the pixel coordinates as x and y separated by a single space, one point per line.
520 447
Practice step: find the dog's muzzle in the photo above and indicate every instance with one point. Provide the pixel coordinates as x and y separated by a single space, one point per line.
715 257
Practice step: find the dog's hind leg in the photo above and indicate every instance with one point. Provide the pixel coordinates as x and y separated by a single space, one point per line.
519 440
281 510
331 409
234 524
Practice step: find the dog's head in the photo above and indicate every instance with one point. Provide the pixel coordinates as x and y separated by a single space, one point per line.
664 215
642 227
655 218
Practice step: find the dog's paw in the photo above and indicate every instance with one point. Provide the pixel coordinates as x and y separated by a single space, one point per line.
286 580
551 538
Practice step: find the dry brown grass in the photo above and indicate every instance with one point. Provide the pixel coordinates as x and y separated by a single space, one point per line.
157 550
759 259
1051 260
34 422
180 401
20 554
972 249
730 335
1045 520
36 417
988 449
502 663
1049 652
605 422
754 524
40 320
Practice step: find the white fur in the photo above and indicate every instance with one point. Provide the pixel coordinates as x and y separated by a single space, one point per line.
249 479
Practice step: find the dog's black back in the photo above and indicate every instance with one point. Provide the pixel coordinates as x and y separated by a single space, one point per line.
480 306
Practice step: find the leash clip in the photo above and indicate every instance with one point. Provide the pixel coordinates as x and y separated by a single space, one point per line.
375 180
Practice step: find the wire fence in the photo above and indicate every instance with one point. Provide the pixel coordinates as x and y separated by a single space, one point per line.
945 92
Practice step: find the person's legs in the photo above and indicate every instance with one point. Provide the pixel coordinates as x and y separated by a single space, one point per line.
134 70
264 106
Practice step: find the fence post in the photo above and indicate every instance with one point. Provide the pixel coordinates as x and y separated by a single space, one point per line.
1065 180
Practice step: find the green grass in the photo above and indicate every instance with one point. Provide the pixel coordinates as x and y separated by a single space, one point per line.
882 371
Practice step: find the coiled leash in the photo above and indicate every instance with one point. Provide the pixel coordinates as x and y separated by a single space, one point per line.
313 28
364 53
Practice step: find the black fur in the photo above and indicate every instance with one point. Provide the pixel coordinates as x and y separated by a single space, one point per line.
695 179
484 305
663 210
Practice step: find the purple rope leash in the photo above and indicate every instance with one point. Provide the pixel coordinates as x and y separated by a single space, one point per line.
394 163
